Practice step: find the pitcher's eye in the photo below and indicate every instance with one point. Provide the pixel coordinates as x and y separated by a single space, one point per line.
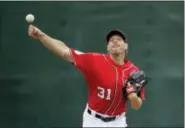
119 39
112 39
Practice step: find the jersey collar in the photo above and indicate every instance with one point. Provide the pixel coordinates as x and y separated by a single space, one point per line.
125 65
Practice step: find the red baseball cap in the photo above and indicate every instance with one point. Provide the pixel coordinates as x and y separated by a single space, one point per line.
116 32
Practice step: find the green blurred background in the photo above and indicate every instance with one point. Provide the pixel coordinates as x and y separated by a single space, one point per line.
38 89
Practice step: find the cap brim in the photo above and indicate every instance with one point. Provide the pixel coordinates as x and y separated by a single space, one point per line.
116 32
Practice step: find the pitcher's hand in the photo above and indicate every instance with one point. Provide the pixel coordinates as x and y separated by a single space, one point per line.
34 32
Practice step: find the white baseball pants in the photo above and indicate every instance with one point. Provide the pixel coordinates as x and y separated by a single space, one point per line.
92 121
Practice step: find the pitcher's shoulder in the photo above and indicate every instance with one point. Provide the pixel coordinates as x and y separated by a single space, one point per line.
95 54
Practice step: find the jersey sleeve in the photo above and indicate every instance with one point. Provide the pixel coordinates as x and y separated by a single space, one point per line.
142 92
82 61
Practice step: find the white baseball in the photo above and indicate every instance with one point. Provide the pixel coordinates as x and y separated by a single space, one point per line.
30 18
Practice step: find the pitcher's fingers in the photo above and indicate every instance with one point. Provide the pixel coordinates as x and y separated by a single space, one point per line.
34 30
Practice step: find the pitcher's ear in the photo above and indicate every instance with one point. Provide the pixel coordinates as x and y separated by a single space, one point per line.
126 46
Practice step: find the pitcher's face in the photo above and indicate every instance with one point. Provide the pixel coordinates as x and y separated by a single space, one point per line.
116 45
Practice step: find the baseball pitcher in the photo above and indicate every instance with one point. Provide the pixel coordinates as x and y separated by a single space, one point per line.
111 78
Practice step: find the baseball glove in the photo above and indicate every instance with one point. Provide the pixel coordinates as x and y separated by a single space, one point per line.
135 83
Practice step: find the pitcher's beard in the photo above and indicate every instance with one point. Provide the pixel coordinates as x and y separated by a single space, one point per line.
115 52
